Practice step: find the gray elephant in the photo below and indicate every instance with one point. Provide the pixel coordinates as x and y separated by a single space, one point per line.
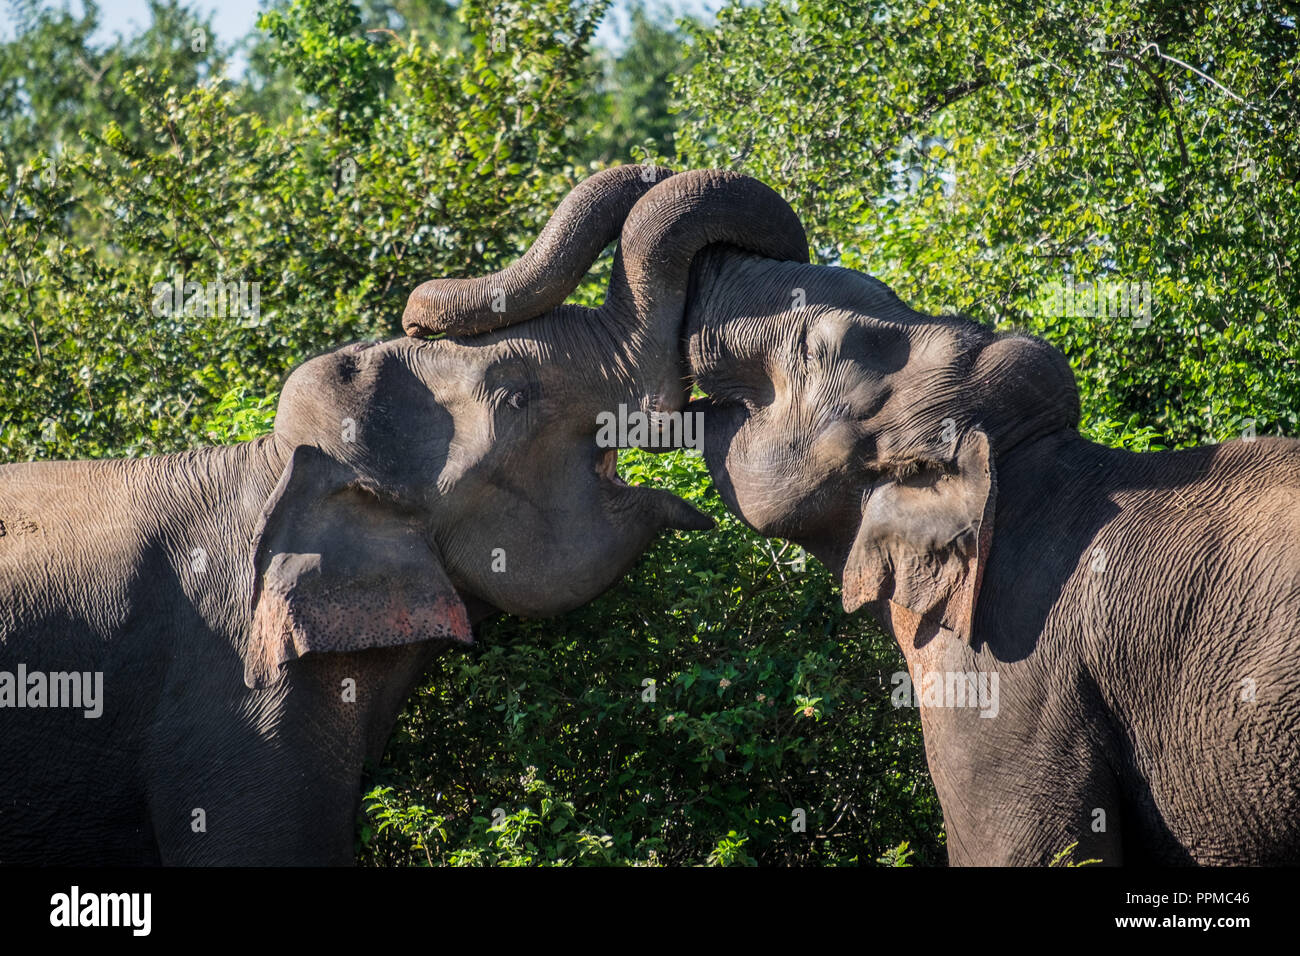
1102 644
1133 617
199 652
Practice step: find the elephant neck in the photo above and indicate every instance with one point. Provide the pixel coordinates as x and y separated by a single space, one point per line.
204 506
1046 484
240 477
1026 438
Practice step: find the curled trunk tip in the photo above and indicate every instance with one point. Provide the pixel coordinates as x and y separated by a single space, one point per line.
589 219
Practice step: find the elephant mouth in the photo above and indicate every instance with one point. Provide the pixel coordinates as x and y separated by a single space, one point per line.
607 468
668 509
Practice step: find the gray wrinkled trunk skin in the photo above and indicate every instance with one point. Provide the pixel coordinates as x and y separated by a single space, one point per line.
140 569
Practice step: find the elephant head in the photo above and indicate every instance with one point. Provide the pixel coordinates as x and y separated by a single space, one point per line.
869 433
424 473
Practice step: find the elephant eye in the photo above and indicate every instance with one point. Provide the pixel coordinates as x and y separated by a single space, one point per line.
516 399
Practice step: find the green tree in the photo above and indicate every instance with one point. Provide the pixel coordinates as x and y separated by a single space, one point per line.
55 81
630 104
406 160
976 157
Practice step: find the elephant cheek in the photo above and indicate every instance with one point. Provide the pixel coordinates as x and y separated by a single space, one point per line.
834 448
721 454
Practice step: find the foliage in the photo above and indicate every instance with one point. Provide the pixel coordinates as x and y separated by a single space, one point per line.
1066 858
53 82
334 213
717 707
897 856
240 416
766 699
629 104
974 155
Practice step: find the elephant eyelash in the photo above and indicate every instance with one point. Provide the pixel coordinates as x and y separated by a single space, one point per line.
727 392
515 398
725 398
901 469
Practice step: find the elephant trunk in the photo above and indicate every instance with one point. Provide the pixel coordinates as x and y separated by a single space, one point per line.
672 223
588 220
664 220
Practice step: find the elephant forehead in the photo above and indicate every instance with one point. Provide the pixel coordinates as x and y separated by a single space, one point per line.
454 368
788 338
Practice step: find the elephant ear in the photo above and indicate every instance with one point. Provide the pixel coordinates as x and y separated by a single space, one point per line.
337 568
924 539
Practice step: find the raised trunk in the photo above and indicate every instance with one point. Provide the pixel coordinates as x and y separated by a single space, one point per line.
664 226
662 230
675 221
588 220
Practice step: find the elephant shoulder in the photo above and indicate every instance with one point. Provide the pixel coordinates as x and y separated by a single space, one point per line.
71 551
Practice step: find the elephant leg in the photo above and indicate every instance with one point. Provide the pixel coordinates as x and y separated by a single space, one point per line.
252 803
1033 834
1013 797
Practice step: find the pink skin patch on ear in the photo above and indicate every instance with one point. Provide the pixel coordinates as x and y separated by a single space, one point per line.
443 617
285 628
396 616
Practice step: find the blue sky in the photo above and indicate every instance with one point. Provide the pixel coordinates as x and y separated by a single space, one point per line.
233 19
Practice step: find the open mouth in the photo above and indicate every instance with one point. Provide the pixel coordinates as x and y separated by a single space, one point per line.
670 511
607 468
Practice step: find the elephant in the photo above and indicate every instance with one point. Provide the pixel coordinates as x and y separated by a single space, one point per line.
199 652
1133 614
1099 641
